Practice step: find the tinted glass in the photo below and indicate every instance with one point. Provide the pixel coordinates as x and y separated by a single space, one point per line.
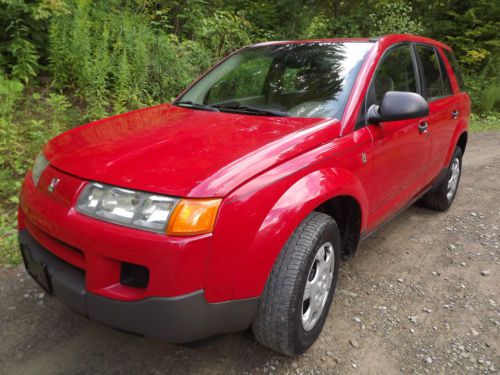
456 68
432 85
301 80
396 72
444 74
246 81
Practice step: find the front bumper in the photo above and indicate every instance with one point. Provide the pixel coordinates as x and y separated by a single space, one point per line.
176 265
177 319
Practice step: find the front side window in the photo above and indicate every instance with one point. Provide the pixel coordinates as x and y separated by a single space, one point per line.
433 87
396 72
299 80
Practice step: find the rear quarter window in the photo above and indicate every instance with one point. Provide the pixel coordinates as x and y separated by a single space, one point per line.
450 56
445 77
433 87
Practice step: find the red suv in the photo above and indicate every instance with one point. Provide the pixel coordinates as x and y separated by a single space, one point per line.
233 206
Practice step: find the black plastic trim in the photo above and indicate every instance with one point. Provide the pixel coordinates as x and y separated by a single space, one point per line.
178 319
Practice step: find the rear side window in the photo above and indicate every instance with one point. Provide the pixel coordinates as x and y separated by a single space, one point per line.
456 68
432 82
444 74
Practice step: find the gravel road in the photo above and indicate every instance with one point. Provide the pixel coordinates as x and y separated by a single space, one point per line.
421 296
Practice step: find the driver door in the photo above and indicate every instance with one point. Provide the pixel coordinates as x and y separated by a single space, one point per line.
400 148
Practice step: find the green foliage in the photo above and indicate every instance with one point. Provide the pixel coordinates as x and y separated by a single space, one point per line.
341 27
488 122
115 56
485 87
9 252
22 51
22 134
115 60
10 92
223 31
23 35
470 27
394 17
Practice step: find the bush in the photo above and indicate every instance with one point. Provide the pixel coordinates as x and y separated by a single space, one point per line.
26 123
23 35
223 32
487 122
484 88
394 17
117 61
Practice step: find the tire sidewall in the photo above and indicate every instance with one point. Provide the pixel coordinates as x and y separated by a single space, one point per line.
457 154
304 339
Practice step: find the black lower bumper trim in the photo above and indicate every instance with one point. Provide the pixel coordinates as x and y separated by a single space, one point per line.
179 319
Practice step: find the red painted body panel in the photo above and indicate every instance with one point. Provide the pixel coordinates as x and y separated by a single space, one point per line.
183 152
270 171
284 196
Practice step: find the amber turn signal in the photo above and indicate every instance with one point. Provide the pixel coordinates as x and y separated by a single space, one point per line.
193 216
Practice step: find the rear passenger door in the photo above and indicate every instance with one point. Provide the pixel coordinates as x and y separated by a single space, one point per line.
443 105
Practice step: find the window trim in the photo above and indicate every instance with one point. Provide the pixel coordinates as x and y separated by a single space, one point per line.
422 76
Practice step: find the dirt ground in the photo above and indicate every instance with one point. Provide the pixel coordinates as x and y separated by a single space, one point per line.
421 296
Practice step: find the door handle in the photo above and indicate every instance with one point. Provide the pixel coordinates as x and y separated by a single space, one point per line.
422 127
454 114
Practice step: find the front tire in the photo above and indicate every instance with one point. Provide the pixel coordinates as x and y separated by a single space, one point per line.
297 297
442 196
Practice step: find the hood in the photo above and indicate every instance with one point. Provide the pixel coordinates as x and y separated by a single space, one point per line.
184 152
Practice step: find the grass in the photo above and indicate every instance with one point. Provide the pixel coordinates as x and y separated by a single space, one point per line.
10 255
490 122
9 252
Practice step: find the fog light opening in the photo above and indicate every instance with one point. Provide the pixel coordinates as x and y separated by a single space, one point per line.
134 276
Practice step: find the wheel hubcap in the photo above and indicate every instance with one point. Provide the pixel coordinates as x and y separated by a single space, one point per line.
453 181
318 284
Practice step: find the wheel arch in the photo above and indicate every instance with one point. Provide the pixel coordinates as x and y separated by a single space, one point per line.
460 138
334 191
347 213
462 141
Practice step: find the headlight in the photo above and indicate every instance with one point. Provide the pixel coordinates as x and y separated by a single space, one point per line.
40 164
148 211
126 207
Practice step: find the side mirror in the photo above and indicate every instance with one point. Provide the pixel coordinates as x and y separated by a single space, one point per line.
398 105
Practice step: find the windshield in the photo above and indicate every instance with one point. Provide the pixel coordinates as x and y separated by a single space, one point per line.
299 80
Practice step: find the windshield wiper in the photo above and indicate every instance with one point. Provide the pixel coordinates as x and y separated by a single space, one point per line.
247 108
190 104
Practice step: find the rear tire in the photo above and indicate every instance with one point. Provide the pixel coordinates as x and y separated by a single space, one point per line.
285 321
442 196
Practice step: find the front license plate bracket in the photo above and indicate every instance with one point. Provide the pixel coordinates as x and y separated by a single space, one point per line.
37 270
